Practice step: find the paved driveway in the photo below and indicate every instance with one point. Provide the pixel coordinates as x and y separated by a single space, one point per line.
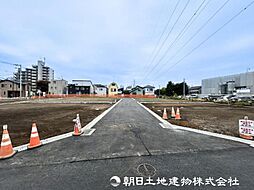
129 142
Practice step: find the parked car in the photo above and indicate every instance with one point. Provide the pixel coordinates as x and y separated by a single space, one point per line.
245 99
191 96
228 97
234 99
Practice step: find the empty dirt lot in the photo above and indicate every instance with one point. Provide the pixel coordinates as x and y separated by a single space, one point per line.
212 117
52 119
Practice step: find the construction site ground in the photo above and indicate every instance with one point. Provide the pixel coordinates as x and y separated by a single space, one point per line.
208 116
53 116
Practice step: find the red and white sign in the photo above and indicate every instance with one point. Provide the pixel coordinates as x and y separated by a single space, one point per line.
246 127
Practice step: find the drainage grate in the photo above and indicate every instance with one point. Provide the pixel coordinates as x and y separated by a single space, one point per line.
146 170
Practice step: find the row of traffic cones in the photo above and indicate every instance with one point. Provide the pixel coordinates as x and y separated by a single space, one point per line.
176 115
7 151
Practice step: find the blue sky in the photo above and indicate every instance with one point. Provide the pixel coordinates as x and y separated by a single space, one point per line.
114 40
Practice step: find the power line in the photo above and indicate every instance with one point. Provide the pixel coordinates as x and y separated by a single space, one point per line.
184 29
211 35
195 34
164 41
162 34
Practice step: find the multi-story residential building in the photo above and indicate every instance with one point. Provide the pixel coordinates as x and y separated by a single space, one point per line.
38 72
58 87
11 89
81 87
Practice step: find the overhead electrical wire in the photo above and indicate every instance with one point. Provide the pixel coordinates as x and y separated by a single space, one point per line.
212 34
164 41
195 34
162 34
179 36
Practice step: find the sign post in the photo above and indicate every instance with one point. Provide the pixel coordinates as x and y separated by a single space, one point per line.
246 128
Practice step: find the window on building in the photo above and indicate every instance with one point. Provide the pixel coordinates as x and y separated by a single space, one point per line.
2 85
10 85
4 92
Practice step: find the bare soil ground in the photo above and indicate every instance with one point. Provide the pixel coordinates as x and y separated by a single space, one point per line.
51 119
218 118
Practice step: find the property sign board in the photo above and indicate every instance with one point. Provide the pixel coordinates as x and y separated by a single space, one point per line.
246 127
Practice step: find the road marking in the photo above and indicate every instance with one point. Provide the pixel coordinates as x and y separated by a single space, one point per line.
165 123
88 132
165 126
66 135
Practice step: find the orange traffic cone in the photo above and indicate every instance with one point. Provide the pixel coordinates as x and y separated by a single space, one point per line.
6 149
34 138
165 115
246 136
178 116
173 114
77 126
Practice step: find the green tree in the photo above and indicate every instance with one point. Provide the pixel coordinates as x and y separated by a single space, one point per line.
170 89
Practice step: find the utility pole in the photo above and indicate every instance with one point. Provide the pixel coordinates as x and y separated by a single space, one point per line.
20 79
184 88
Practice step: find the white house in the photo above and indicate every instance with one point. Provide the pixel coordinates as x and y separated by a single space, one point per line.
149 90
100 89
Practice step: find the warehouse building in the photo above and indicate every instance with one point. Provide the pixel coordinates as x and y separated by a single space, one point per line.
230 84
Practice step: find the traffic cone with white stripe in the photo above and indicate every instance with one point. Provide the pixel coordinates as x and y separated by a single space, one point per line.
34 138
165 115
6 149
178 116
77 126
173 114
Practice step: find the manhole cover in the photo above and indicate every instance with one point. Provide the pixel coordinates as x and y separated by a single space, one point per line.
146 170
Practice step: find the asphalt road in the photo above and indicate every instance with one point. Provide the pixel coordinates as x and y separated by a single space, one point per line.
130 143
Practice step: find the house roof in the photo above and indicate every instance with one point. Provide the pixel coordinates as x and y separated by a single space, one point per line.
195 88
4 80
100 85
82 82
149 86
136 87
12 81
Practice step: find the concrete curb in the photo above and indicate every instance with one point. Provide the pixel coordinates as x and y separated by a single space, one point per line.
167 125
66 135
